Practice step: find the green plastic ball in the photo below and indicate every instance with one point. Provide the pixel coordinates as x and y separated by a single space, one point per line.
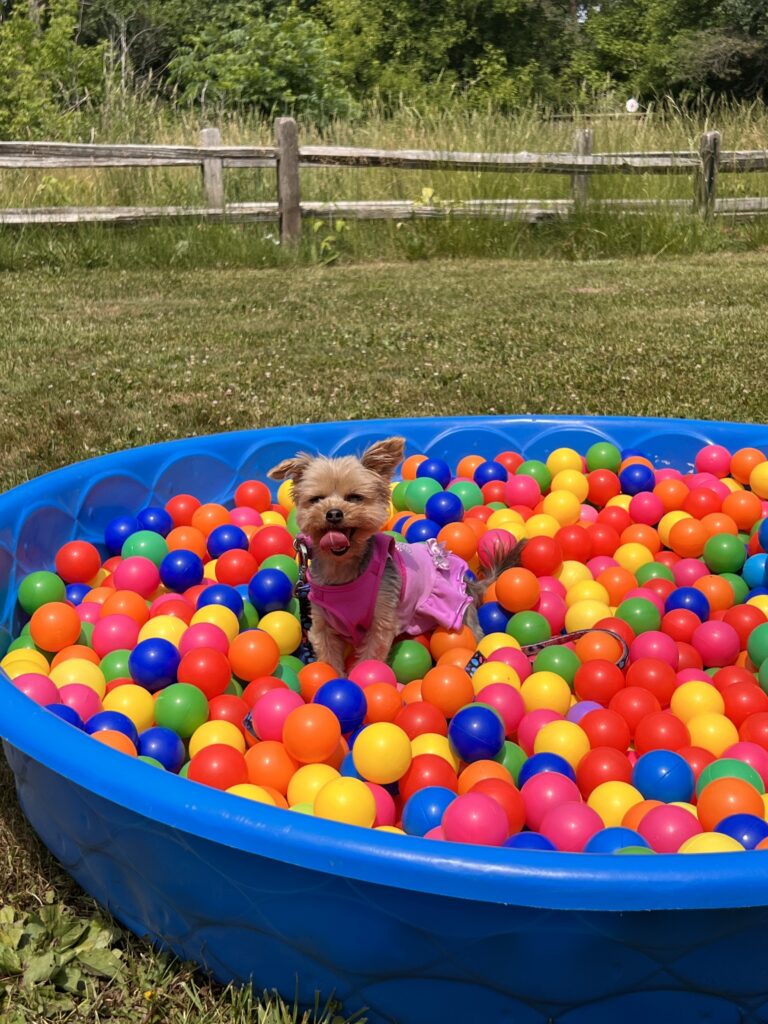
559 659
23 643
235 688
529 628
291 523
603 455
181 707
249 617
724 553
729 768
151 760
539 472
145 544
757 644
409 660
740 587
653 571
512 757
420 491
290 661
115 665
643 850
184 770
468 493
39 588
86 634
640 614
289 676
399 496
285 564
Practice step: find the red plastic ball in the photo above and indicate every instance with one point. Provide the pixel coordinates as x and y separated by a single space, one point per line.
698 758
742 700
730 674
207 669
606 728
575 543
218 765
680 624
228 708
744 618
754 729
543 556
688 656
494 490
421 717
271 540
661 730
508 797
605 539
181 508
602 764
253 494
603 485
616 517
77 562
427 770
655 675
236 567
598 680
634 703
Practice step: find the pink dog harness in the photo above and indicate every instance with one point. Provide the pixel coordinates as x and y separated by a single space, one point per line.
434 590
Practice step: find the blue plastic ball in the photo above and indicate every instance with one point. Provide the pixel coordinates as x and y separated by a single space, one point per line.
609 840
156 519
421 530
488 471
424 810
164 745
346 700
529 841
476 733
181 569
436 469
68 714
444 507
636 478
663 775
747 829
112 720
270 590
400 523
117 532
221 594
753 571
347 767
762 534
690 599
537 764
756 592
76 592
226 538
492 617
153 663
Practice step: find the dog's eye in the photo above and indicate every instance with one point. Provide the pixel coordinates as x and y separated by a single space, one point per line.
314 501
354 497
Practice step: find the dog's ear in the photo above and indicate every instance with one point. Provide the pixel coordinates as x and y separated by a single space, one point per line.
291 469
385 456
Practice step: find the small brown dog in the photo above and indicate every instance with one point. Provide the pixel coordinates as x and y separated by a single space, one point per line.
365 589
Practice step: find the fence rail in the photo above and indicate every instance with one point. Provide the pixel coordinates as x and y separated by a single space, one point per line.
288 157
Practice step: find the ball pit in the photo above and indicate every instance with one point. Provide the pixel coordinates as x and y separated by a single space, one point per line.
390 917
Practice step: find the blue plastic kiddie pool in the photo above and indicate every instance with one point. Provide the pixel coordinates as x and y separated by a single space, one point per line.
413 930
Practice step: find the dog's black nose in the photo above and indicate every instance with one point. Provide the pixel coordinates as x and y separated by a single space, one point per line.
334 516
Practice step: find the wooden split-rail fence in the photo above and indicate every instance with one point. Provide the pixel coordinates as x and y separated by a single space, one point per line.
289 159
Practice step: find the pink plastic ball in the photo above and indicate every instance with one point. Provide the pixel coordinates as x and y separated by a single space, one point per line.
570 826
244 516
386 812
88 611
203 634
114 633
491 543
138 574
646 508
507 701
717 642
475 818
696 480
156 608
668 474
752 754
435 833
666 828
38 688
551 585
271 710
713 458
654 644
688 675
588 514
688 570
515 658
545 791
372 671
553 608
83 699
522 490
530 724
600 563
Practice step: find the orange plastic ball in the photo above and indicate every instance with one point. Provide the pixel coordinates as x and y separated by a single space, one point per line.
126 602
187 538
448 687
443 640
672 493
479 770
640 533
617 582
207 517
270 764
466 467
517 590
460 657
459 539
410 465
116 740
311 733
744 461
75 651
55 625
253 653
411 692
384 702
688 537
312 677
637 812
719 522
744 507
99 595
717 591
597 646
723 797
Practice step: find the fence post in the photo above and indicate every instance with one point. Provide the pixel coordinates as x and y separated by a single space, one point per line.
705 179
288 193
582 146
213 170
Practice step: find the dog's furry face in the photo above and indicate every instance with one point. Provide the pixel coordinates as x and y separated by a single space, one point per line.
342 502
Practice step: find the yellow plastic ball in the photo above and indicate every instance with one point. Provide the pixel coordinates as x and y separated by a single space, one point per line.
758 480
348 800
495 672
765 805
218 615
284 628
307 781
619 501
285 495
632 556
382 752
496 642
503 517
546 690
666 523
696 698
390 828
713 732
99 578
251 792
163 627
586 590
686 807
209 733
541 525
731 484
571 573
562 459
79 670
272 518
571 480
711 842
584 615
209 569
612 800
134 702
22 668
563 738
428 743
27 655
760 601
563 506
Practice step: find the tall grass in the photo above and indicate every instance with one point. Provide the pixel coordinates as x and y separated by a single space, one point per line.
137 118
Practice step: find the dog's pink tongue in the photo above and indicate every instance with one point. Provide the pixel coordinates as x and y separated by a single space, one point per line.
334 541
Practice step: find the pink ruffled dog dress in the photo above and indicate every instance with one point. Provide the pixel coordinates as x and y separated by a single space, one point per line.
434 591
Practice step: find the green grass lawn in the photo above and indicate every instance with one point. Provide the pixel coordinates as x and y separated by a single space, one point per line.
94 361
